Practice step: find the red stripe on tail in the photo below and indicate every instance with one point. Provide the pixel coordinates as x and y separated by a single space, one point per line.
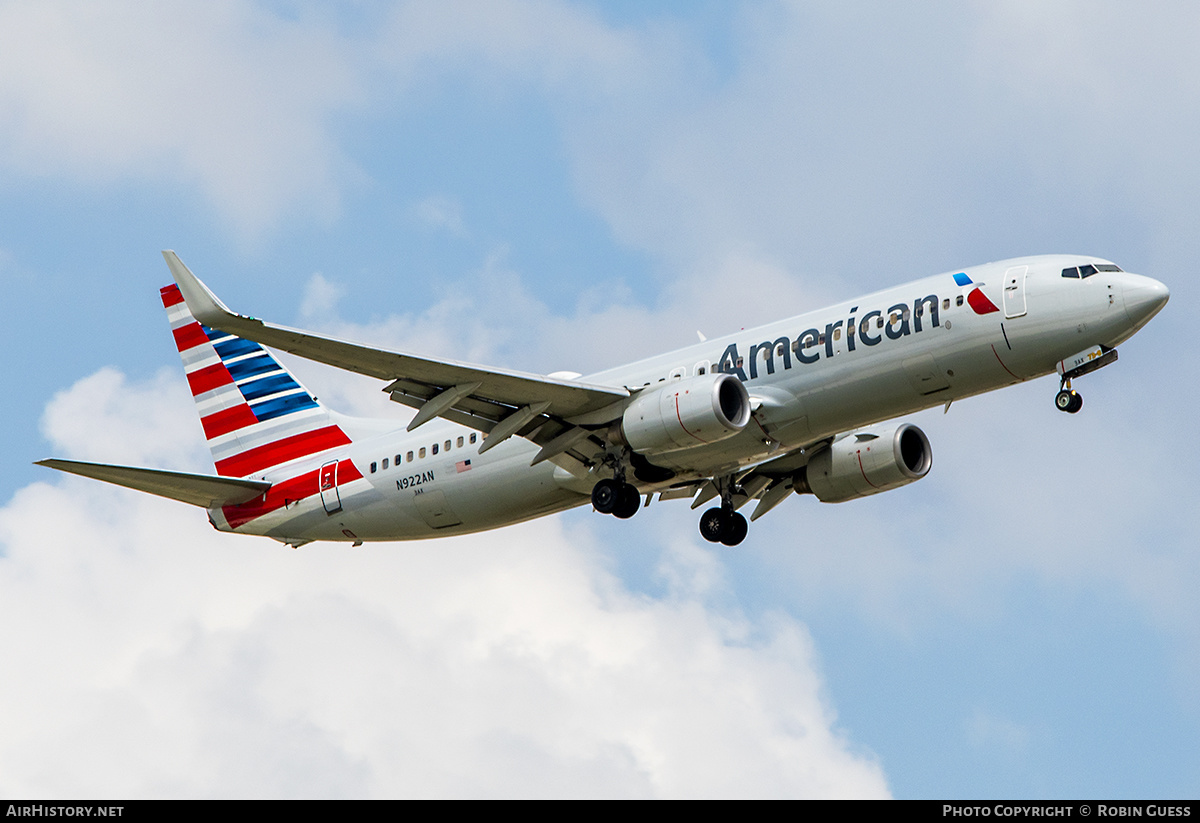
171 296
188 337
281 451
280 494
209 378
227 420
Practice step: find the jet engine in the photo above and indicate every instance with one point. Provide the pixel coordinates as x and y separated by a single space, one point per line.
866 462
686 413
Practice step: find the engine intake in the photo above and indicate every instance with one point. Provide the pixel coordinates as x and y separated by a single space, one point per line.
866 462
686 413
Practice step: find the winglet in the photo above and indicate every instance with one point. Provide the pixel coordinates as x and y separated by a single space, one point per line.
204 305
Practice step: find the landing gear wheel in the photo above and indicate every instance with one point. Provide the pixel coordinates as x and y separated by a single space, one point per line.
628 501
1069 401
712 525
606 495
735 529
723 526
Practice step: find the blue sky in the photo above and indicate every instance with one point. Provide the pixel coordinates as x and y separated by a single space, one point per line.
550 186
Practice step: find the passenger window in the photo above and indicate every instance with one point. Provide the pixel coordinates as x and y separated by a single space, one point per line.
435 448
398 458
472 437
879 322
373 467
701 367
678 374
821 339
410 456
385 464
1072 272
837 334
946 304
959 301
447 445
422 453
460 442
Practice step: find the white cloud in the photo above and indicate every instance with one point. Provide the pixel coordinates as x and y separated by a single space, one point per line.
155 657
223 95
986 730
441 213
242 100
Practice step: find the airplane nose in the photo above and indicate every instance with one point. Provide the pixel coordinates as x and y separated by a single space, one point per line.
1144 298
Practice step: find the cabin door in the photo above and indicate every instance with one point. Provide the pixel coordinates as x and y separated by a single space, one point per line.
330 498
1014 291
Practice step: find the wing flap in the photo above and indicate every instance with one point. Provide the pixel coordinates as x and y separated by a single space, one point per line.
197 489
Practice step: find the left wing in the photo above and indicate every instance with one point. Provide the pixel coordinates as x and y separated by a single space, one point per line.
498 401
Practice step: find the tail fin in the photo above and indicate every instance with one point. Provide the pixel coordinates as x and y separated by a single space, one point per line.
255 414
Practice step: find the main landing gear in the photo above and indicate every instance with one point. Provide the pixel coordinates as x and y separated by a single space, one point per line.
1068 400
616 497
723 524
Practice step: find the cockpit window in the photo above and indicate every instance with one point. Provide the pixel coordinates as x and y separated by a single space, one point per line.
1089 270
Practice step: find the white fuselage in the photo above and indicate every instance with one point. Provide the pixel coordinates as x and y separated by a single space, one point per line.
809 377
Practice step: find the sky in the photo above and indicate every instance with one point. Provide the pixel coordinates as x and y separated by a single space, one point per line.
554 186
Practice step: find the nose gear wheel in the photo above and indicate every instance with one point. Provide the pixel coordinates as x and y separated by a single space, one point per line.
1069 401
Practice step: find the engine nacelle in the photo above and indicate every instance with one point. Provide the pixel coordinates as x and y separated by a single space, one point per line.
683 414
866 462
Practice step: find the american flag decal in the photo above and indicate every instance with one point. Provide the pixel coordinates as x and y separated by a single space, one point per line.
463 466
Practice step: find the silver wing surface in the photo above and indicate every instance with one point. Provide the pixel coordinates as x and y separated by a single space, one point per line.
498 401
197 489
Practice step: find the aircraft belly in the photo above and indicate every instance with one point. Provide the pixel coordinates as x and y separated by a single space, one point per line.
497 489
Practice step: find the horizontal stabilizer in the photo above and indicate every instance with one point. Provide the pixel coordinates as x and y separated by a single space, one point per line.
197 489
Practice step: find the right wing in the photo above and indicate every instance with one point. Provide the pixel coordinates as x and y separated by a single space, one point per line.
198 489
551 412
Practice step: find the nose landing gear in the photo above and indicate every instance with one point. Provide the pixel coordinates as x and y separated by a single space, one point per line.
1085 362
1068 400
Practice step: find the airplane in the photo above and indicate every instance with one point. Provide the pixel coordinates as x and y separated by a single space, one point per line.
799 405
